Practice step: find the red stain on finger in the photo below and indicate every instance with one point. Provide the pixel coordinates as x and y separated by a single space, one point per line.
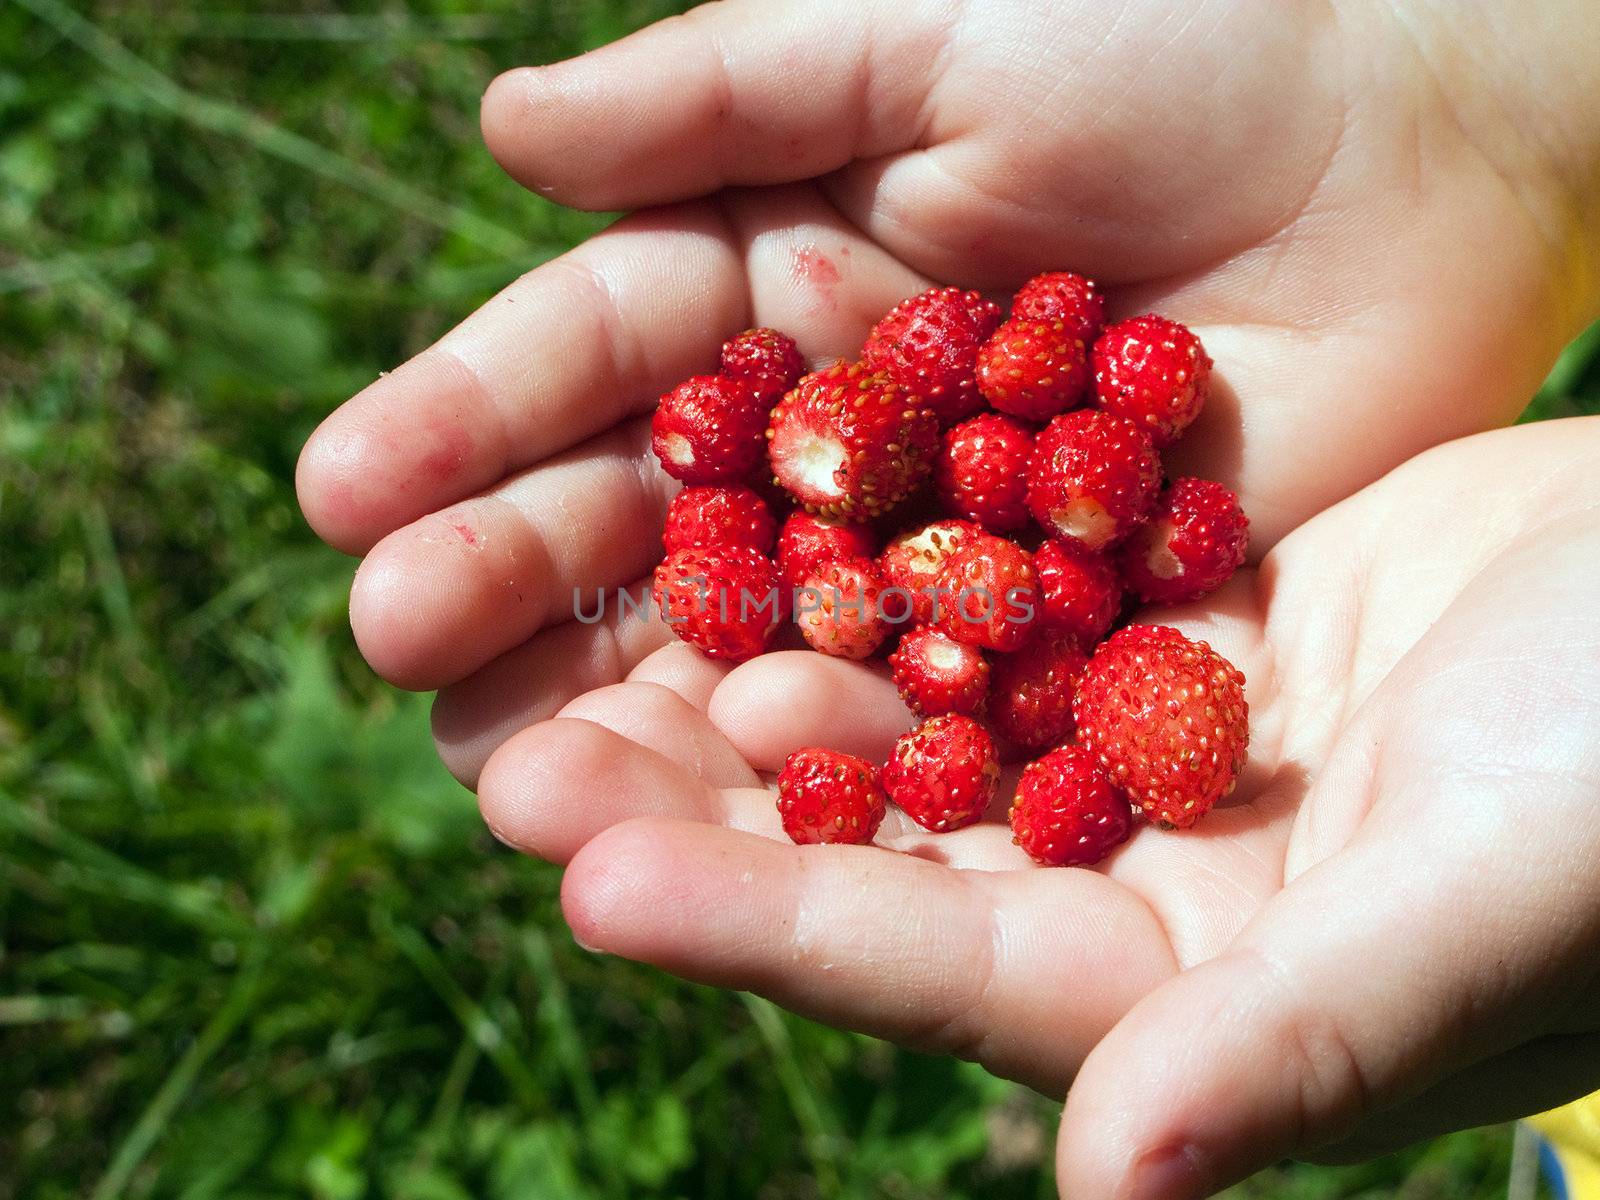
466 533
452 446
815 267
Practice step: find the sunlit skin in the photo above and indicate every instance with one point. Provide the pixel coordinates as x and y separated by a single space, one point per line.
1374 216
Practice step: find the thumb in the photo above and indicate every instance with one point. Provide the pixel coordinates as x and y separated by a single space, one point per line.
738 92
1366 981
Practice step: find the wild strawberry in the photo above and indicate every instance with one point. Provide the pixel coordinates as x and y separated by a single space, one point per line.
1167 719
912 561
1154 372
982 472
708 430
839 609
1030 697
825 796
848 443
943 773
1080 592
699 517
1093 478
937 674
929 346
723 599
989 594
1066 812
1062 296
1194 541
807 541
765 359
1034 369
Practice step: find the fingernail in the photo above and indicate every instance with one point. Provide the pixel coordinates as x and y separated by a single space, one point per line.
1172 1172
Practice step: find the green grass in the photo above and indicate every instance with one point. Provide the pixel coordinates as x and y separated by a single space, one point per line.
253 941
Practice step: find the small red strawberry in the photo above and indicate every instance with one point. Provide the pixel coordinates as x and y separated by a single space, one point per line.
825 796
1167 719
1080 592
1062 296
848 443
1093 478
982 472
699 517
1066 812
1030 698
943 773
937 674
723 599
1194 541
708 430
1034 369
840 609
989 594
1154 372
929 346
767 360
807 541
911 562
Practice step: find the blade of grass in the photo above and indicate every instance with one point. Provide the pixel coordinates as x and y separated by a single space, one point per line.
821 1140
474 1017
180 1081
232 120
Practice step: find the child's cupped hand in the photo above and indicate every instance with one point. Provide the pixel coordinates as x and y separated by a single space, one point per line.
1390 930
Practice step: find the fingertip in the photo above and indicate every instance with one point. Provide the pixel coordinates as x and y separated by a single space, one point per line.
326 483
384 609
509 117
614 878
524 790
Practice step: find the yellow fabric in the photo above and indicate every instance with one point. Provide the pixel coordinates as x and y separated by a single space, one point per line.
1573 1132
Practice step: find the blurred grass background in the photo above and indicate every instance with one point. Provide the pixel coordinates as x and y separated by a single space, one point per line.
253 940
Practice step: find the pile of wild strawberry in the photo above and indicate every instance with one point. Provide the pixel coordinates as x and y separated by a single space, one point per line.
1045 518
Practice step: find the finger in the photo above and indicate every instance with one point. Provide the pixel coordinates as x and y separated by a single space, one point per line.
473 718
1530 1079
659 719
555 786
778 703
987 966
447 594
1375 974
681 668
563 353
759 93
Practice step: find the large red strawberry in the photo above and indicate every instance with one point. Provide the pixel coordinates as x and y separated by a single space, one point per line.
1195 539
1094 477
807 541
982 472
943 773
1167 719
937 674
1034 369
1080 592
847 442
723 599
1066 812
912 561
825 796
989 594
1030 696
765 359
840 609
1154 372
929 346
1063 296
708 430
718 516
